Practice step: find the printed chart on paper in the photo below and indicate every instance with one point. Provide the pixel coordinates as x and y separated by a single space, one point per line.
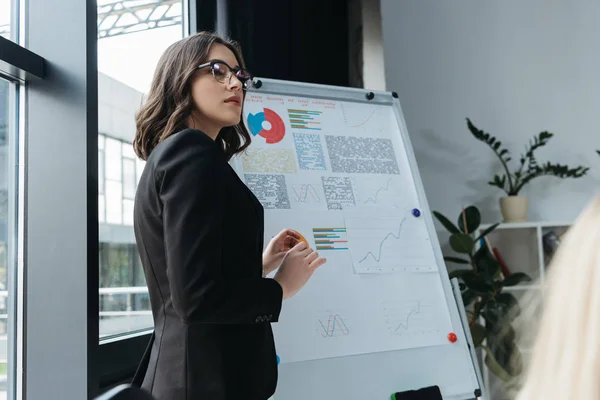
338 172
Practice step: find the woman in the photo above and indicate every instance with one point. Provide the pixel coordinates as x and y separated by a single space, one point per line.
199 231
565 361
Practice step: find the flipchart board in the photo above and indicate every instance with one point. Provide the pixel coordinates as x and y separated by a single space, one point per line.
381 316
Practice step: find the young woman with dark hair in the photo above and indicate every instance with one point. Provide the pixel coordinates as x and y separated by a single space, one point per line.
199 232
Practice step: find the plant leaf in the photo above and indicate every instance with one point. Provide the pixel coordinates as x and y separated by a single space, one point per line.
478 334
509 305
507 355
504 333
492 317
493 365
515 361
477 284
487 265
459 273
467 297
456 260
515 279
461 243
446 222
472 217
486 231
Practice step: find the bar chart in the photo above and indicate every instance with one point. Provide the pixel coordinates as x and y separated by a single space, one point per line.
330 238
305 119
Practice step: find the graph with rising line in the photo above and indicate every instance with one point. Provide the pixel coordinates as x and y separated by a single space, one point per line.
330 238
385 188
333 325
305 119
410 317
404 324
389 240
377 258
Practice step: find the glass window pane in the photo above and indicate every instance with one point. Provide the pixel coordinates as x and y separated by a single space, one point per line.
7 20
129 182
101 209
114 202
125 67
8 185
112 159
101 172
128 151
139 168
100 142
128 212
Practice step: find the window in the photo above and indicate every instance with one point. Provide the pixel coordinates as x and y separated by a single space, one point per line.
63 235
124 301
8 120
126 64
12 79
7 20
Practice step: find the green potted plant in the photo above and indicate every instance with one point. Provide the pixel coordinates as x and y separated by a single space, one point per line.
514 206
490 309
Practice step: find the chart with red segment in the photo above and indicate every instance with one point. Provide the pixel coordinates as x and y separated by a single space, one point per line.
339 173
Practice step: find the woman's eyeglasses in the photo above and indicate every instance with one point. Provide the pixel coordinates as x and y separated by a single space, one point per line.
223 73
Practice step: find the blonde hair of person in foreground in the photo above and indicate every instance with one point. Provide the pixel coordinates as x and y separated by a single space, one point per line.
565 362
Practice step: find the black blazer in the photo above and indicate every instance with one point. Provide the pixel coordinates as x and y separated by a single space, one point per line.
199 232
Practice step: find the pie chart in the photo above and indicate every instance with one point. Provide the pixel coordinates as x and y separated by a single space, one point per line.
268 125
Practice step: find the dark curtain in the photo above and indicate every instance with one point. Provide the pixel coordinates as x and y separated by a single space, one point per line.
203 15
303 41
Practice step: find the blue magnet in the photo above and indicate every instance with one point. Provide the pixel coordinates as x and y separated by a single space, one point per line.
416 212
278 359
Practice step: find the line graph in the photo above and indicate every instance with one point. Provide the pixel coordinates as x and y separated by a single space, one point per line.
354 124
415 317
333 325
370 119
391 234
404 324
303 191
383 188
388 240
306 193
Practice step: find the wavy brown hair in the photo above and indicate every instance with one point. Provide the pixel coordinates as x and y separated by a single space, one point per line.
169 102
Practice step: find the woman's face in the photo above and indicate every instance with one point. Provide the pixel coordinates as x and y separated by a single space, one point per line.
217 104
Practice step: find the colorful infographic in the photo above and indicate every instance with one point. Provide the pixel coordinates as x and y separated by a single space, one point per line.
338 172
267 124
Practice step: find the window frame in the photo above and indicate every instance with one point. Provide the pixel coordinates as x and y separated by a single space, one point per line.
59 74
129 348
103 179
53 67
20 67
14 241
18 63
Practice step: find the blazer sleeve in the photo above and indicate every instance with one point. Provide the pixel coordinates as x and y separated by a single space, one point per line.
191 189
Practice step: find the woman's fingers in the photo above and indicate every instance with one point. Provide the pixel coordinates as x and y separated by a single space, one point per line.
289 242
292 233
317 263
312 257
300 246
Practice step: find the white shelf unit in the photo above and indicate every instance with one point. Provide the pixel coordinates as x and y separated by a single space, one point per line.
521 247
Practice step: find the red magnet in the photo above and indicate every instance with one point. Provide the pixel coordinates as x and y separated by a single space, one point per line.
452 337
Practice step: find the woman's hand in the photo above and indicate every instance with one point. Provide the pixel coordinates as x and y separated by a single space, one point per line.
277 249
296 269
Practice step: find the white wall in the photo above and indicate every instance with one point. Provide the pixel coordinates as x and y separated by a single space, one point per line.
515 68
373 56
366 60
